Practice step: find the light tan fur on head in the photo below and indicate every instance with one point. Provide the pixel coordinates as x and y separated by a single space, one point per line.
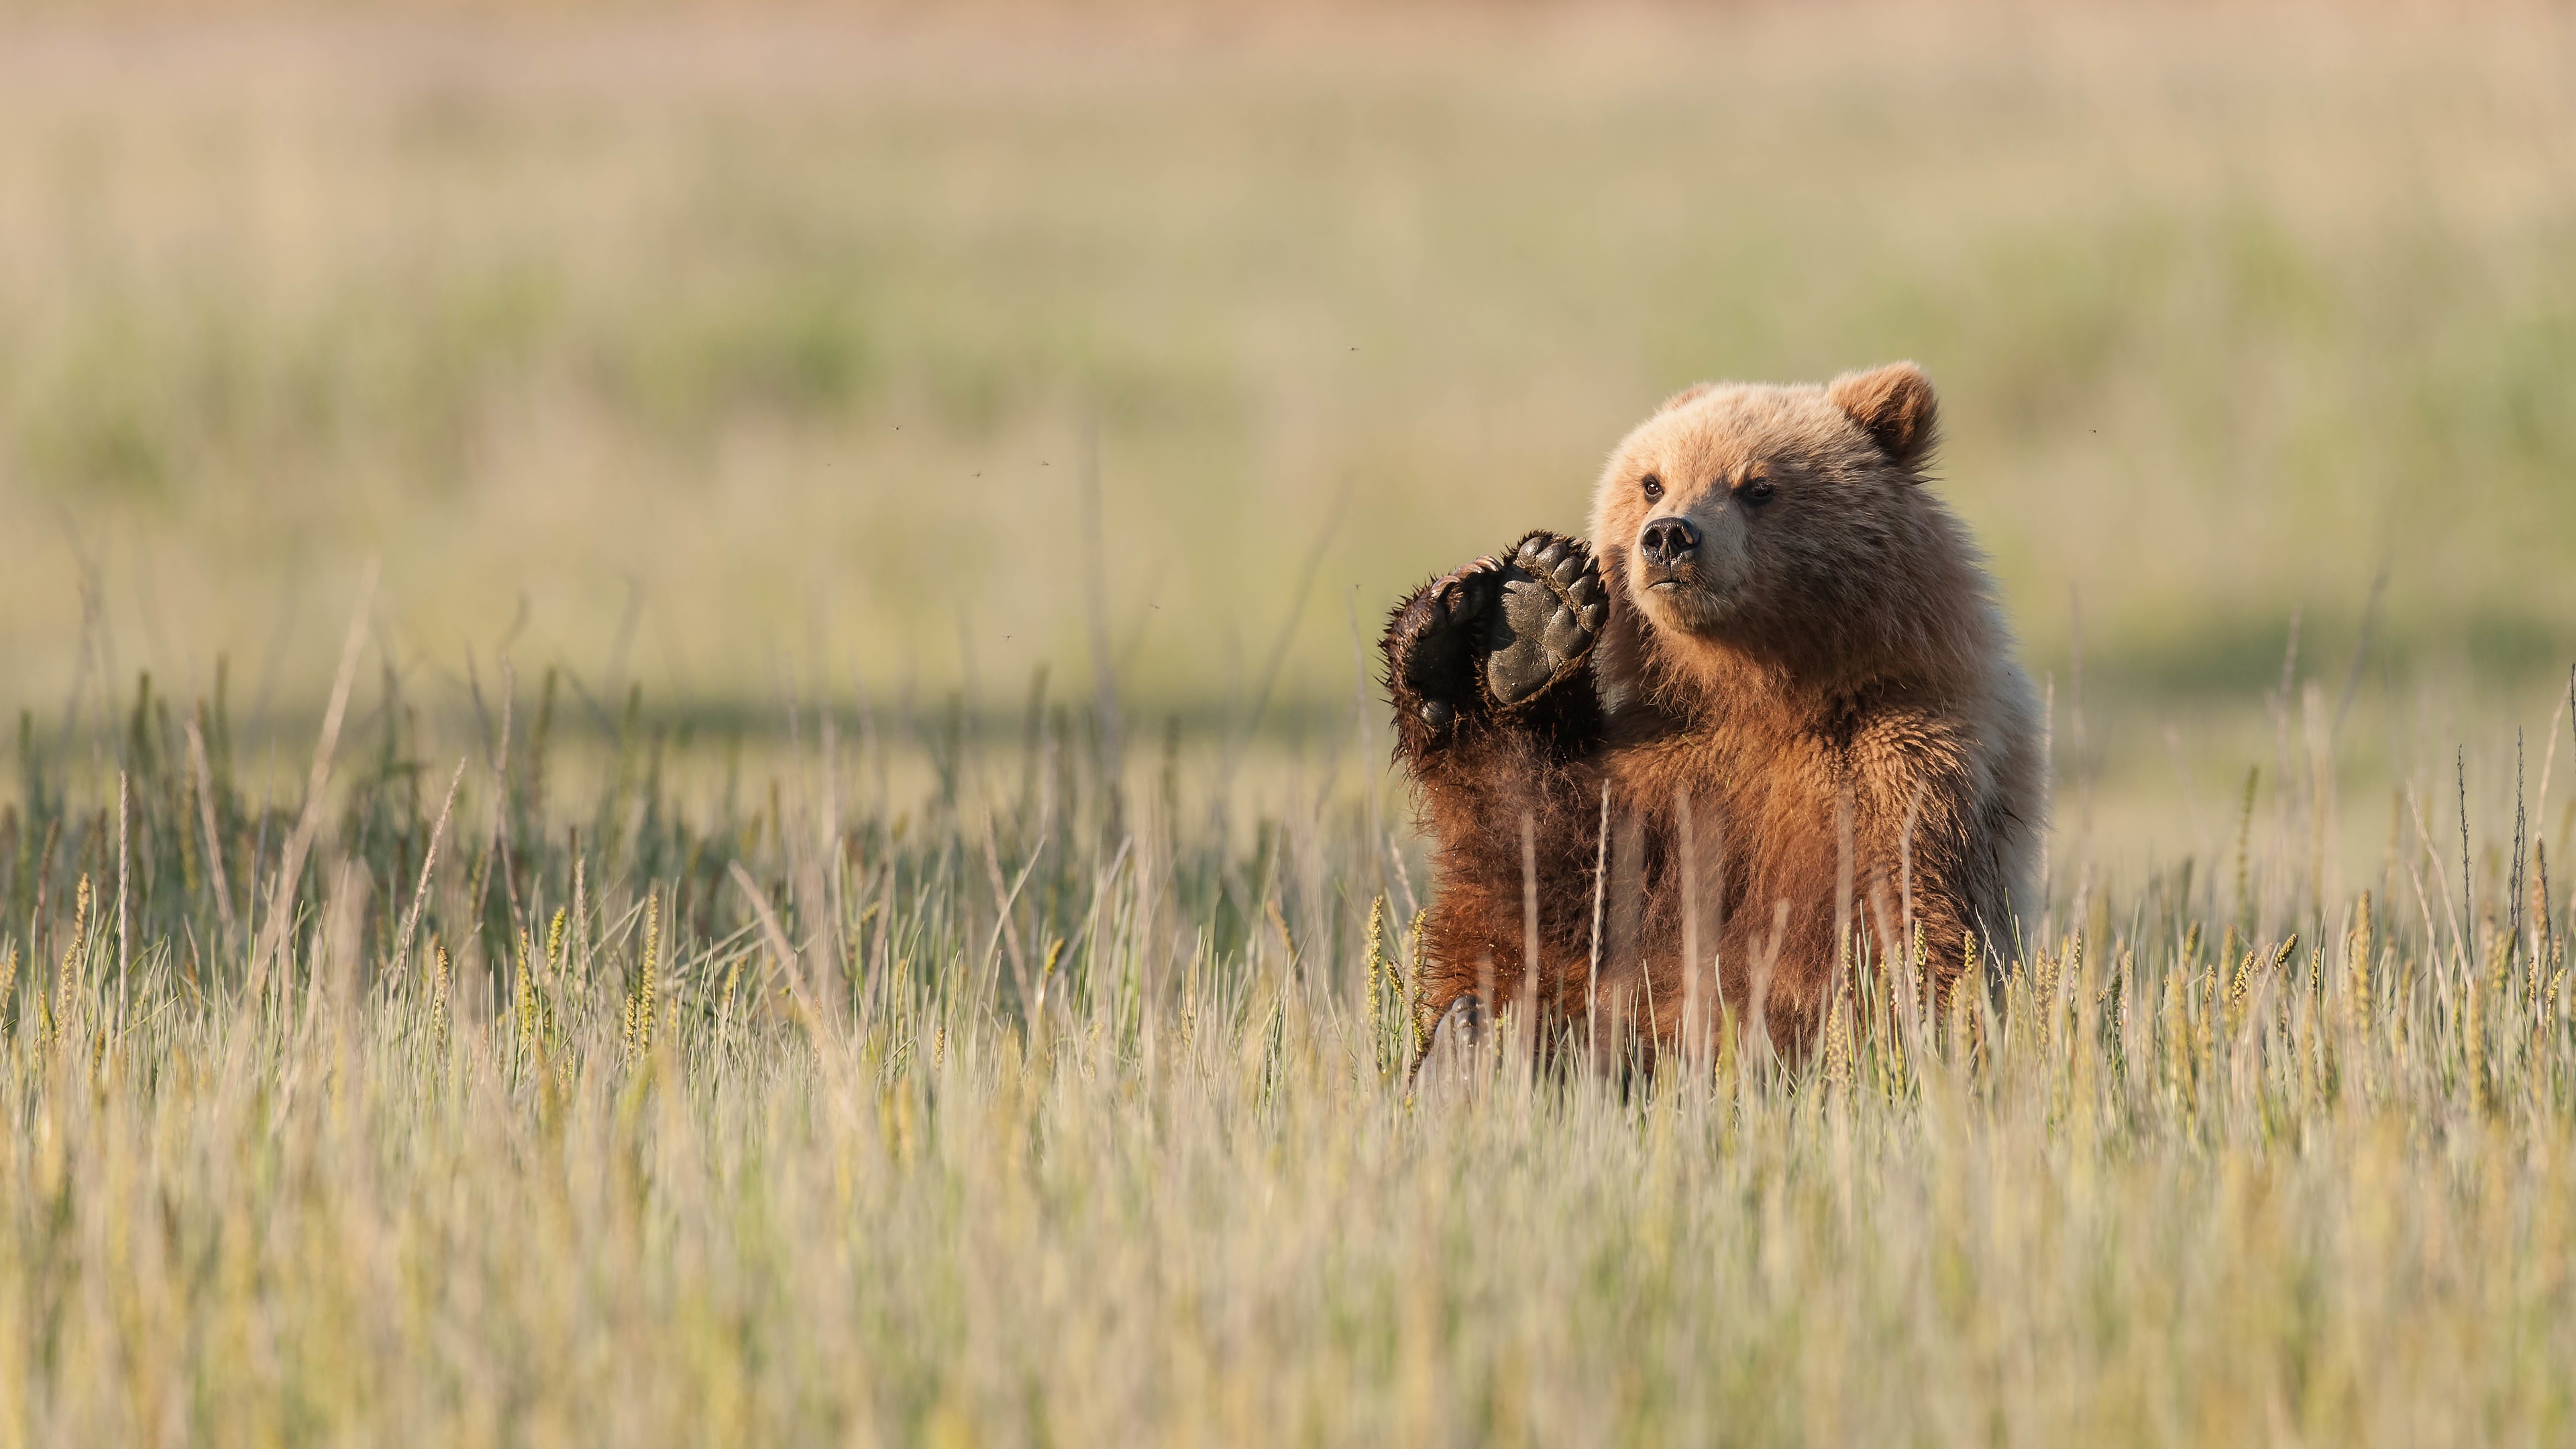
1821 558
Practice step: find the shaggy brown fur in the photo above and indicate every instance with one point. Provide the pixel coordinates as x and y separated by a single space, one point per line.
1806 720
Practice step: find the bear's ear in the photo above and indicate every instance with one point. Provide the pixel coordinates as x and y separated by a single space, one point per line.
1894 405
1690 394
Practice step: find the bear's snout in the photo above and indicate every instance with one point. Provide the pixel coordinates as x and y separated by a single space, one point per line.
1667 541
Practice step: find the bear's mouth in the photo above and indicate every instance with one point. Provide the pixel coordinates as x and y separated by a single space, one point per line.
1660 578
1683 599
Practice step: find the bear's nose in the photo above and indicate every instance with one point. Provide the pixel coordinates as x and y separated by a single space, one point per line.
1668 540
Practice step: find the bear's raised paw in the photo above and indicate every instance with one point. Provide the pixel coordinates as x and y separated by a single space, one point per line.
1552 607
1500 628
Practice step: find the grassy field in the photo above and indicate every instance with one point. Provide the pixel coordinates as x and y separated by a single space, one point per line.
844 887
1038 1108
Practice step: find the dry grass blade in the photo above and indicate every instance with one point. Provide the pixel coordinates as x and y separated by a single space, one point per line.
820 1026
205 778
290 869
428 862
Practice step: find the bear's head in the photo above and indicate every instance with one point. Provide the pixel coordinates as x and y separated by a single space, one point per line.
1786 529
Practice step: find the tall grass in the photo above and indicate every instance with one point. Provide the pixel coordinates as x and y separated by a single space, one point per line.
1061 1099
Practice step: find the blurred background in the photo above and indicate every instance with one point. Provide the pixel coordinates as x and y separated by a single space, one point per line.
752 355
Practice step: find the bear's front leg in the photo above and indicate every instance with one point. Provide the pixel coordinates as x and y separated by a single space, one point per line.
1489 670
1502 643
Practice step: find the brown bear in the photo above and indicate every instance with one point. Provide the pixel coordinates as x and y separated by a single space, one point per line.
1776 729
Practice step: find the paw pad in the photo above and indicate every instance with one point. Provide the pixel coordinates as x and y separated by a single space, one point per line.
1551 608
1500 629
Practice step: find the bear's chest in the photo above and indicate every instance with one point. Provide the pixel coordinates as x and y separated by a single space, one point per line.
1751 774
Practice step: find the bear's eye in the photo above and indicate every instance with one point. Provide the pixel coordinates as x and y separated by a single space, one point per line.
1653 486
1759 491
